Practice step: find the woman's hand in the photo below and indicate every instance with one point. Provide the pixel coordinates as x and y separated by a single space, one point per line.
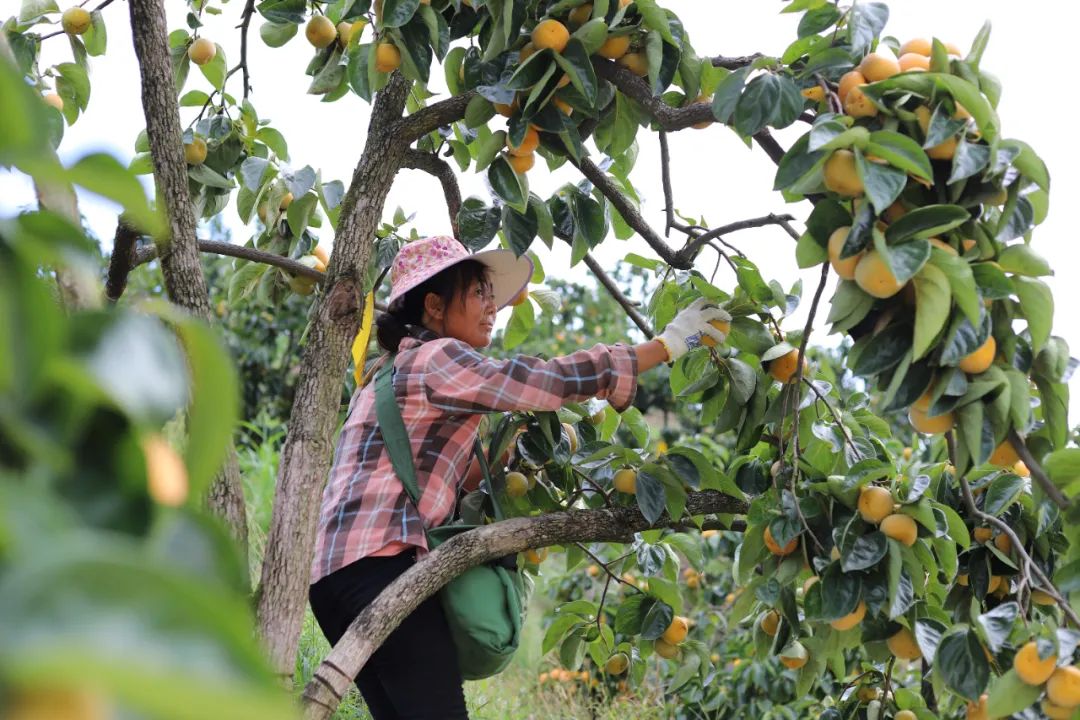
689 328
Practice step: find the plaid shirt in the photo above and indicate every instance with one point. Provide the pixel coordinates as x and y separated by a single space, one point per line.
444 388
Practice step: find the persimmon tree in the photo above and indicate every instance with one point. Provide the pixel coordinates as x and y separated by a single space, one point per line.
930 553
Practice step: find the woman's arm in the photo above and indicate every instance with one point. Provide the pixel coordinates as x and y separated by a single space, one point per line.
650 354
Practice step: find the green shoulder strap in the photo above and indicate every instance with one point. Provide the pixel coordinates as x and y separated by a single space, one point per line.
396 439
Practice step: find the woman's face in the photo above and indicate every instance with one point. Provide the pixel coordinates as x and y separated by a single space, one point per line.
471 318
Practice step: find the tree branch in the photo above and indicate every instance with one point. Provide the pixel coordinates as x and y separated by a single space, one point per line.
692 248
1037 471
613 289
667 117
1003 527
411 128
122 261
665 181
333 678
734 62
629 213
245 22
435 165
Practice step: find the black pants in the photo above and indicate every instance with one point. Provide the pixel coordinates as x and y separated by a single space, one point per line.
414 675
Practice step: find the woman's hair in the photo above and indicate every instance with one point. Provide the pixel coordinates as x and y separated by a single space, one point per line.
450 284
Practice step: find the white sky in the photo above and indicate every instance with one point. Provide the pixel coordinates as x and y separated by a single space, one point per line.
713 173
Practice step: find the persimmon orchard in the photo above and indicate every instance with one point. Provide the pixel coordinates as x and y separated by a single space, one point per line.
888 530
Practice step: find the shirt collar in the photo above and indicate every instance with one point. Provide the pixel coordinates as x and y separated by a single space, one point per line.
419 336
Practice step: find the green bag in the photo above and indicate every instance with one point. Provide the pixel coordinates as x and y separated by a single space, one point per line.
484 606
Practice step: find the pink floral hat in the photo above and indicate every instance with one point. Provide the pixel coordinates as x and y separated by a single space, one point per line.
425 258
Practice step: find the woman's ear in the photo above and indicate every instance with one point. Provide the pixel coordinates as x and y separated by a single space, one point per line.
433 306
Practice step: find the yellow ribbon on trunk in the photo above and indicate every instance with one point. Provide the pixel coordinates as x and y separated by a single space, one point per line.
360 344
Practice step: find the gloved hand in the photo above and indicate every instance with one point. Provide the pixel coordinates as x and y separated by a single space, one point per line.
691 327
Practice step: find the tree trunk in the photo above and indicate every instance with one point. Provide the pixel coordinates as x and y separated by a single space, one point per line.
307 452
179 254
333 678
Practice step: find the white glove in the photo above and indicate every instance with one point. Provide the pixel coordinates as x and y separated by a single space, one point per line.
691 326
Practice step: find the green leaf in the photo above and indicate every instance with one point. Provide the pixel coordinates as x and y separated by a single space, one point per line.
1063 466
650 498
95 38
206 176
1029 164
77 81
839 592
478 112
808 252
574 61
866 20
961 281
193 652
277 34
1037 304
1004 490
522 322
758 104
215 70
932 303
1023 260
727 94
970 159
398 12
904 259
1009 695
507 184
962 664
214 408
300 211
883 183
104 175
901 151
654 18
927 222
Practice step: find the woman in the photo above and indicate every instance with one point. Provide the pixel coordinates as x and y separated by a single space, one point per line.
441 313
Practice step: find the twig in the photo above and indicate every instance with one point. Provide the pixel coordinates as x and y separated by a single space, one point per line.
615 293
441 170
245 22
690 251
1029 565
832 411
1037 471
798 378
665 180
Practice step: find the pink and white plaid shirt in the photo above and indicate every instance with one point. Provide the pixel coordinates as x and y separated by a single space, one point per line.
444 388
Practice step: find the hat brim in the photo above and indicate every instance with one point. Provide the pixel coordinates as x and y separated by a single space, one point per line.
509 275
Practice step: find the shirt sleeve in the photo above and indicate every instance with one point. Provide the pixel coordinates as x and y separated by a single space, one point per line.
458 379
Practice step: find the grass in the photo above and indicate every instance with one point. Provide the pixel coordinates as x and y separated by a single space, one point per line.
515 694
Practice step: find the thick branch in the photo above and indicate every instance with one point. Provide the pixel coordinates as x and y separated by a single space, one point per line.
122 261
180 265
308 448
667 117
333 678
1037 471
146 254
626 208
735 62
411 128
435 165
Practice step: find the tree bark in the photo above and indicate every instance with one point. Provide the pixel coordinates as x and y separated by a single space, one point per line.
333 678
307 452
184 280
